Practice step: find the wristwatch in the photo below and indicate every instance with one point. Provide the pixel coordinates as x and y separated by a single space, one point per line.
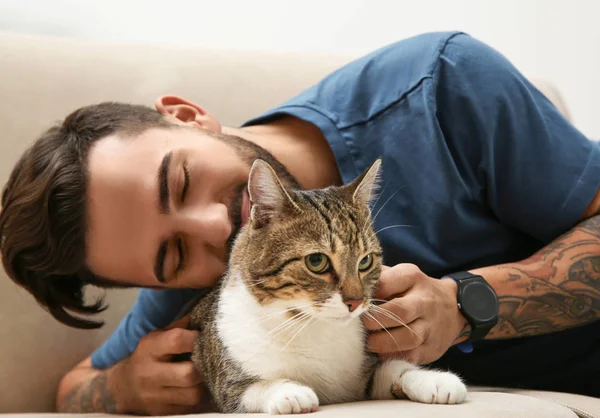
478 303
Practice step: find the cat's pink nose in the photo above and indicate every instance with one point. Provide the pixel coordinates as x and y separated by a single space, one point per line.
352 304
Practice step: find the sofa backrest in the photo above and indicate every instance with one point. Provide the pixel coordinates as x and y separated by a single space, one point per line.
42 80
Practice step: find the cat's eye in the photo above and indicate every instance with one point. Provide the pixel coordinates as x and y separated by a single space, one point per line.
317 263
365 263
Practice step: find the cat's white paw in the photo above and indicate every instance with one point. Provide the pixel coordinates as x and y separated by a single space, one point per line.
430 386
292 398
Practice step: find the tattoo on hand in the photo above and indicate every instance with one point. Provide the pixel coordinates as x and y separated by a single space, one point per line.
555 289
94 396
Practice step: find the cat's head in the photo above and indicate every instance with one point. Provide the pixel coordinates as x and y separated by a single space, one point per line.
311 251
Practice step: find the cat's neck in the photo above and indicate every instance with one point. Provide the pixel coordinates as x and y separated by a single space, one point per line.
236 292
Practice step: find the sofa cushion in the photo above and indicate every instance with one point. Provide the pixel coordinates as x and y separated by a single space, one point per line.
583 406
478 405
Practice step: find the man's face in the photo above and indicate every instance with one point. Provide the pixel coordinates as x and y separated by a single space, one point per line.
164 206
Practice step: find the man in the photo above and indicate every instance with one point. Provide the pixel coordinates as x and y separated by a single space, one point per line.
485 186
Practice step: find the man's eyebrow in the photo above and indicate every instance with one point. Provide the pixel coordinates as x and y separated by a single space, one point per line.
159 263
163 184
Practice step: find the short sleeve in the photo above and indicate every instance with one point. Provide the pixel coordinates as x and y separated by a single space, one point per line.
533 168
153 309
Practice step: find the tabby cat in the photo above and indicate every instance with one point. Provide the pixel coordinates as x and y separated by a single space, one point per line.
282 331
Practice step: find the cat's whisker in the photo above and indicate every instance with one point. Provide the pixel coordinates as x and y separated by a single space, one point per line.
290 328
258 283
378 197
298 332
395 317
382 206
385 329
389 314
286 324
272 314
374 234
392 302
290 325
394 226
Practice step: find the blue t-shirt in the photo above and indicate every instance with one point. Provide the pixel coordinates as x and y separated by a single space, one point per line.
476 161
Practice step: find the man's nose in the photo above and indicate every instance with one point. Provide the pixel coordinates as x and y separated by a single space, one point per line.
209 223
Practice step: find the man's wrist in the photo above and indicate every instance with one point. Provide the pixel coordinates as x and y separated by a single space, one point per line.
120 387
461 323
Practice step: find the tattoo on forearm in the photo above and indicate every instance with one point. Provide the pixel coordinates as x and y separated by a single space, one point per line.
557 288
93 396
465 332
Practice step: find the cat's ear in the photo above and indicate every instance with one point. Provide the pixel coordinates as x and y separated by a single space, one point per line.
268 197
364 188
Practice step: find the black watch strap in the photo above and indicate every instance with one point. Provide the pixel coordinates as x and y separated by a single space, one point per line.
461 275
480 324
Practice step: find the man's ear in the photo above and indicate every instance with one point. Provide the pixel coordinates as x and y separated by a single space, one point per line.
182 111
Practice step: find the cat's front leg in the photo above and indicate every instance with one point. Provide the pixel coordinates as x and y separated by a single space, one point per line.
400 379
280 396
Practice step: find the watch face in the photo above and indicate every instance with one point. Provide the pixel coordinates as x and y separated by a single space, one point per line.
479 301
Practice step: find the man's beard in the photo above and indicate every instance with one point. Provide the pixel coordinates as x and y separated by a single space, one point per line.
249 152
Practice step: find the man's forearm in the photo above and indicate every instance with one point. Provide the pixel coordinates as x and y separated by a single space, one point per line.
92 395
85 389
555 289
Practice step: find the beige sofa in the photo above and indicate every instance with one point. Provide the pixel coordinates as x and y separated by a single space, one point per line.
42 79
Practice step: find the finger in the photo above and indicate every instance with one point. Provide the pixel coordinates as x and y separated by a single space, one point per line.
396 355
399 339
396 313
192 396
183 322
178 375
163 344
396 280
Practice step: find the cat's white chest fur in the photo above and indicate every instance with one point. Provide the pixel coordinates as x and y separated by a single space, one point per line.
326 355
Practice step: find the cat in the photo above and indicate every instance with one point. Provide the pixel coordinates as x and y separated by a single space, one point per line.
282 332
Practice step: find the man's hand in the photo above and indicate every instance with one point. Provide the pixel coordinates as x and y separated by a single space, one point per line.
152 384
421 316
147 382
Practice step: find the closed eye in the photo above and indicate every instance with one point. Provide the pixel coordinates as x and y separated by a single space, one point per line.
181 263
186 181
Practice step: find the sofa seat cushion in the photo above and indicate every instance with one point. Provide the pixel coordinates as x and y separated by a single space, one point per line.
478 405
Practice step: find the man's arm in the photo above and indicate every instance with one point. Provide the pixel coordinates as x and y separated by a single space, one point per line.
146 382
556 288
85 389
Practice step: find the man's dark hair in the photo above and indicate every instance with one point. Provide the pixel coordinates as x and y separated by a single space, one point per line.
43 215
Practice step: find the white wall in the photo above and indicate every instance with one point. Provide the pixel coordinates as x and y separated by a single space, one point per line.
555 39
